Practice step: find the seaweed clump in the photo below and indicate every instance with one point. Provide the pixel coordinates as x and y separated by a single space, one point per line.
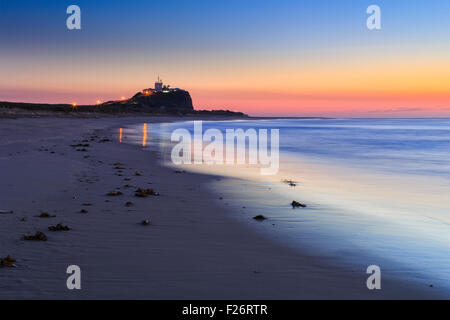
38 236
46 215
59 227
7 262
144 193
114 193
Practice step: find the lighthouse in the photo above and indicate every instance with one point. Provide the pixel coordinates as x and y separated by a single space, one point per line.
158 85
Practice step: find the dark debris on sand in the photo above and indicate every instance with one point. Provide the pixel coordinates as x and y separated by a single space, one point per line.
114 193
259 218
291 183
46 215
59 227
80 145
7 262
144 193
296 204
38 236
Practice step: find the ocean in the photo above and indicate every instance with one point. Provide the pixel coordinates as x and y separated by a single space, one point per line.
377 190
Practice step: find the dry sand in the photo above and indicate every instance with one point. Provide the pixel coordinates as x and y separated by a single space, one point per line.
191 250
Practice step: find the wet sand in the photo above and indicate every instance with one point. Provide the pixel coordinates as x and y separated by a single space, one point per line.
192 249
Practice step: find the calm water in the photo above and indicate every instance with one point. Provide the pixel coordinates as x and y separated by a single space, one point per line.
378 190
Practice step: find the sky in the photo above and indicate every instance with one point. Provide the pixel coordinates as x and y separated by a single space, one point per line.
265 57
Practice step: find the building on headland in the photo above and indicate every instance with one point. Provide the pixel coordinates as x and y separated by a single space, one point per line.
159 87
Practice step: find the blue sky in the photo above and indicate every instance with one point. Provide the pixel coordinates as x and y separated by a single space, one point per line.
216 24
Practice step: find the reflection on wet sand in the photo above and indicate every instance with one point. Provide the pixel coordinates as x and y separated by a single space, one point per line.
144 135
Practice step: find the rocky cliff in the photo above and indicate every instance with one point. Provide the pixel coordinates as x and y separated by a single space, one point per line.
174 100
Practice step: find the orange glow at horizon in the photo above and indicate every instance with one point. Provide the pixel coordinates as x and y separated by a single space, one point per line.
329 82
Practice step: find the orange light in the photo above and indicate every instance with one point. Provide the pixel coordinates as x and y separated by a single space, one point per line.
144 135
99 102
123 98
74 105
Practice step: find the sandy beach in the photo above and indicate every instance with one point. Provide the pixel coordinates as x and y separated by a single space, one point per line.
192 248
